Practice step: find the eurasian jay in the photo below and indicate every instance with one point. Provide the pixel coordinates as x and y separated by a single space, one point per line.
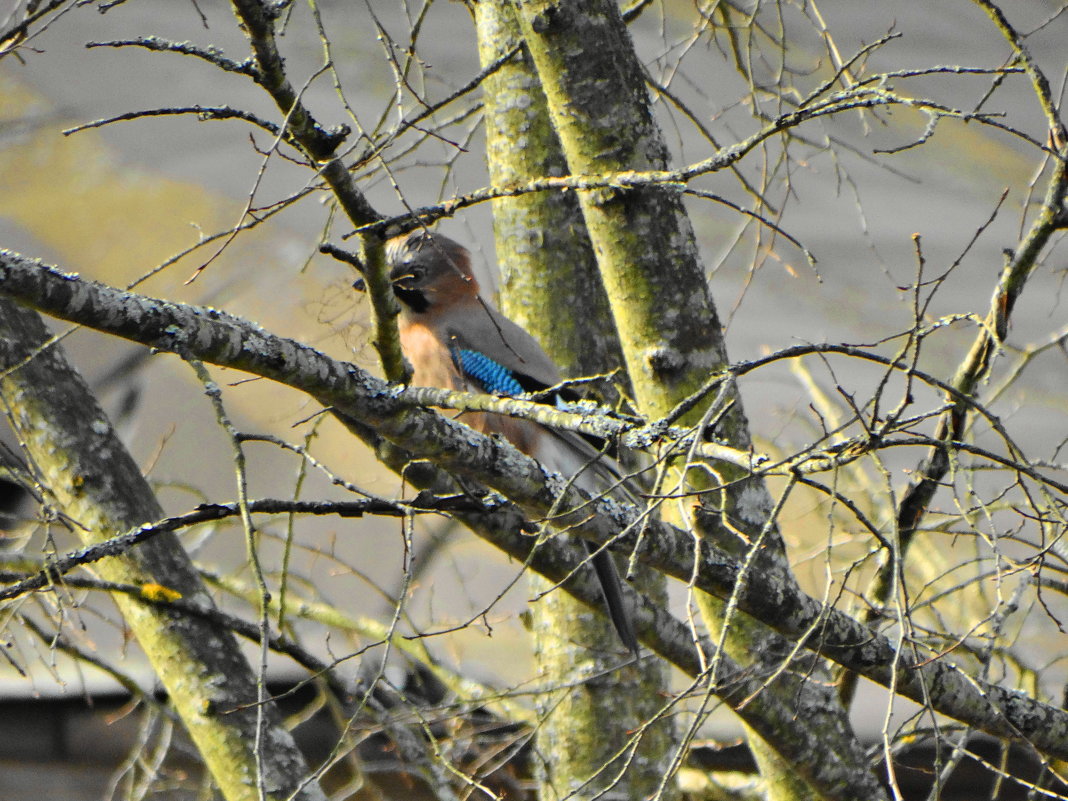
456 340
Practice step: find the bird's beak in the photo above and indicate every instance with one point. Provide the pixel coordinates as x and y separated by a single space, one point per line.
401 280
397 279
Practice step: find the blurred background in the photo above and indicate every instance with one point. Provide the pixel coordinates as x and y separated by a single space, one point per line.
121 204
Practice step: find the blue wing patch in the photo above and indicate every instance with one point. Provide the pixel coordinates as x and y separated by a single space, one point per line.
494 378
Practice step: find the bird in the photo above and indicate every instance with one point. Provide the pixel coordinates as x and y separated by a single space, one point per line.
456 339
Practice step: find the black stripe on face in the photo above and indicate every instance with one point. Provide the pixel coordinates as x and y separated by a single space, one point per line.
414 299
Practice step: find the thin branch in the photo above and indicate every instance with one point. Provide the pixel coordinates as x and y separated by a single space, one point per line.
210 54
203 113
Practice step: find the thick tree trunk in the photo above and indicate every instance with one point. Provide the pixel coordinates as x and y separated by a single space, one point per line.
92 480
668 328
550 286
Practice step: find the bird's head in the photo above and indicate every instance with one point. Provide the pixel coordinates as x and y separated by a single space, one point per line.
429 271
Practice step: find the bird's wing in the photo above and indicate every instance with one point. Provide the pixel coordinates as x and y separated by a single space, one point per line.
501 358
506 360
483 330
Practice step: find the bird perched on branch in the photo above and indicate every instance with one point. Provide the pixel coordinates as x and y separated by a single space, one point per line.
456 340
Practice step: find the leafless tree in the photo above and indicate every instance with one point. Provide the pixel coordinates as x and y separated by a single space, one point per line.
891 509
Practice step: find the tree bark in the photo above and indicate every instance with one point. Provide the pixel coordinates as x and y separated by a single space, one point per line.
669 329
92 480
550 285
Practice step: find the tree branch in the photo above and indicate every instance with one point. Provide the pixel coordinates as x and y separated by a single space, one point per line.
220 338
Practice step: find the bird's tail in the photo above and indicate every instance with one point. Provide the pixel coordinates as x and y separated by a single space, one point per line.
612 589
595 472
